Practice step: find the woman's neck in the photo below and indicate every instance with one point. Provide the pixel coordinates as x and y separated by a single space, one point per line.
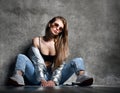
47 38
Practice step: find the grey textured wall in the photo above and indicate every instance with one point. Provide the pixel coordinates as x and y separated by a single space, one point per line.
93 33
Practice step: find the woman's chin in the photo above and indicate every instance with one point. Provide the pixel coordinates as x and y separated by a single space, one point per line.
55 34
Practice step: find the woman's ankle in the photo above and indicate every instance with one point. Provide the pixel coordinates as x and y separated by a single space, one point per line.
19 72
79 73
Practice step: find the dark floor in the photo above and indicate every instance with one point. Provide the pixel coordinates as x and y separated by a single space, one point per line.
60 89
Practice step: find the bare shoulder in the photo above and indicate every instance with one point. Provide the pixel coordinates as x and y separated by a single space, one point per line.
35 41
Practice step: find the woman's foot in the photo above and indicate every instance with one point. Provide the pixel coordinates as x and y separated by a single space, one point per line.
83 80
17 80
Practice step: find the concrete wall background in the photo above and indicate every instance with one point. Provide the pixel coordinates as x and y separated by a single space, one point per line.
93 33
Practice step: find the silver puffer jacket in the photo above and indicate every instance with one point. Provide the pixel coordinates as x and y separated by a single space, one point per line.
40 67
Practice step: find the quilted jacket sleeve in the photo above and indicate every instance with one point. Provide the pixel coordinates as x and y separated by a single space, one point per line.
38 62
56 77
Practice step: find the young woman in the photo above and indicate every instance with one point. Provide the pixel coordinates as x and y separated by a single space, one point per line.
45 63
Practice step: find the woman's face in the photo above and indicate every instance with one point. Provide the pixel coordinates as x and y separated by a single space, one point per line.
57 27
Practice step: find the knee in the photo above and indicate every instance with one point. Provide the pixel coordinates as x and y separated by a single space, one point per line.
21 56
78 60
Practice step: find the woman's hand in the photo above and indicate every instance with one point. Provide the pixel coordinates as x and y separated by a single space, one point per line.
43 83
50 83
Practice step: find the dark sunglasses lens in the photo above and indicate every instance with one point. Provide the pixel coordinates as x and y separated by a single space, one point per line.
60 28
56 24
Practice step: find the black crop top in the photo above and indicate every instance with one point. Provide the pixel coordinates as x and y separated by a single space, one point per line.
49 58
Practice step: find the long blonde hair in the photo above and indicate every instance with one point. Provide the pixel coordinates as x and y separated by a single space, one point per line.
61 41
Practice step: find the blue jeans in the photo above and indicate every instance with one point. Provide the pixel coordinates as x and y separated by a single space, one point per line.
24 64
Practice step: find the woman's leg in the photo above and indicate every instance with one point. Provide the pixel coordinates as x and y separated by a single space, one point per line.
74 66
25 68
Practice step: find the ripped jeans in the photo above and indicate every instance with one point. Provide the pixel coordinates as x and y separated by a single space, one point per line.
24 64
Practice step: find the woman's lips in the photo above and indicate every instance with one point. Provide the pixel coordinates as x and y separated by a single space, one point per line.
55 31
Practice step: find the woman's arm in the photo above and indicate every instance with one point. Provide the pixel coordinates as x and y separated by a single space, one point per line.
56 77
37 60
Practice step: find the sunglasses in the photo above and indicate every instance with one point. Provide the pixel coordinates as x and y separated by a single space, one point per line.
56 25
